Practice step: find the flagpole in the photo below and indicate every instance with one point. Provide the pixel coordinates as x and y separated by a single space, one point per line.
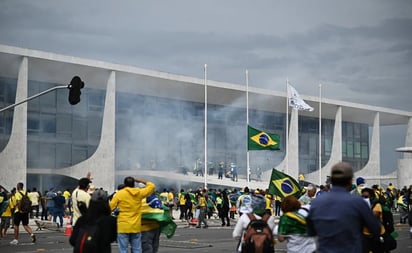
320 134
247 124
287 127
205 164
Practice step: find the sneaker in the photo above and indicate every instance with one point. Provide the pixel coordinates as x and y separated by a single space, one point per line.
33 238
14 242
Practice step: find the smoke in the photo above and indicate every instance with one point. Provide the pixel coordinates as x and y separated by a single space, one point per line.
168 135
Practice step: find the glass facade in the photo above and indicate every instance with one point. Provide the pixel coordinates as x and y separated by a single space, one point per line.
161 133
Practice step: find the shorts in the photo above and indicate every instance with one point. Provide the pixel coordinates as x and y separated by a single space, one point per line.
5 221
23 217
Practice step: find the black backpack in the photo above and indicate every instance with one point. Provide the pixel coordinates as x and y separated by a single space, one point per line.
87 239
258 237
25 203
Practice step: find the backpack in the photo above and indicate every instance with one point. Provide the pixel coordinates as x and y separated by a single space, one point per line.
25 203
258 237
87 239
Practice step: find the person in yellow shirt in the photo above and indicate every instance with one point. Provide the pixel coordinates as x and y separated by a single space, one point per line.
67 198
171 201
202 205
182 205
35 198
372 244
19 216
129 202
269 203
5 218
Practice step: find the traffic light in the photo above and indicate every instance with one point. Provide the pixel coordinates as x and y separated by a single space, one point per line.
74 87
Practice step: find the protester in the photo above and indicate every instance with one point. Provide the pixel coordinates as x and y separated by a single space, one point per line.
35 199
337 218
269 201
129 201
19 216
171 201
59 206
360 184
220 171
6 218
278 203
372 243
244 202
202 206
307 198
225 209
188 206
50 202
292 227
257 208
80 199
98 214
182 206
152 216
43 206
409 199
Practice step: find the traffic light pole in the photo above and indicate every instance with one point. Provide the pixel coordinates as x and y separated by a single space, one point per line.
34 96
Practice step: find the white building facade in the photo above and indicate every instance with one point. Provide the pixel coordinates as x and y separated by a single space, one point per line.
132 120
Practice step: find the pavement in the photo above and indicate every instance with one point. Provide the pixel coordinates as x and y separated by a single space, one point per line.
187 238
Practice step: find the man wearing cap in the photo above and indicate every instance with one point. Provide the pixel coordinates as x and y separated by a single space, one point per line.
337 218
59 206
360 184
80 199
129 202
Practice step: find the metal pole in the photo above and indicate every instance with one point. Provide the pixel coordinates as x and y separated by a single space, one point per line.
33 97
320 134
247 125
205 164
287 126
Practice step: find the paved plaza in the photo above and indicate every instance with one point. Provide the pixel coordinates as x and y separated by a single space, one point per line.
186 239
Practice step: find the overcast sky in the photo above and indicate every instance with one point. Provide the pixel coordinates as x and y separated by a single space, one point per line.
361 51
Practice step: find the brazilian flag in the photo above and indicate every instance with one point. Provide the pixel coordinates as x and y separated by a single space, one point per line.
152 209
260 140
283 185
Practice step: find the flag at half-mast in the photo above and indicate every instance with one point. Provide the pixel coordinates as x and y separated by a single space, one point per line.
283 185
296 101
260 140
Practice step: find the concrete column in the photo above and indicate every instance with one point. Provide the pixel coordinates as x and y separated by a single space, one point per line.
292 169
405 164
13 159
102 163
336 153
373 168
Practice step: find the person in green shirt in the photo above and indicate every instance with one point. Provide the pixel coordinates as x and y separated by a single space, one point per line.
292 227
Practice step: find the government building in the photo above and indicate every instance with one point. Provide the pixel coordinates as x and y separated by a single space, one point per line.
140 122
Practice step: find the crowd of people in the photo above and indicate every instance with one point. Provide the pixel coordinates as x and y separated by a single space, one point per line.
338 217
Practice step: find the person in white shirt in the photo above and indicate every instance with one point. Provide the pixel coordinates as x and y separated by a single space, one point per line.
258 210
80 199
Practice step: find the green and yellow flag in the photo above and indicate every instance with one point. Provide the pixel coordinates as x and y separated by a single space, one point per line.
283 185
260 140
156 212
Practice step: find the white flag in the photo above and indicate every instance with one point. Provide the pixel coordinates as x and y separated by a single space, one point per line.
296 101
